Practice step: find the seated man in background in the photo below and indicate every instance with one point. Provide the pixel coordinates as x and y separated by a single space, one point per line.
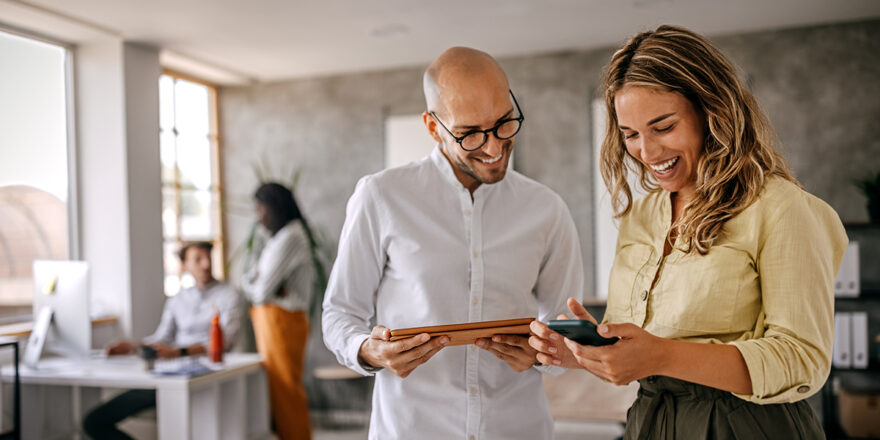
184 330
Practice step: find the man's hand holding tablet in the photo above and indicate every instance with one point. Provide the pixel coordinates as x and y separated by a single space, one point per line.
402 356
402 350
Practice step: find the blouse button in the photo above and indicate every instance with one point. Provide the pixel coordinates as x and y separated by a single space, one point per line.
644 295
803 389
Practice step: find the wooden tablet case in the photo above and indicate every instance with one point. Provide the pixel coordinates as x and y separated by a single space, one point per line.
467 333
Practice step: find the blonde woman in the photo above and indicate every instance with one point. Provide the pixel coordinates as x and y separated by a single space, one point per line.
721 289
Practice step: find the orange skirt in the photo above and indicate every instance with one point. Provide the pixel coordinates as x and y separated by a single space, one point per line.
281 337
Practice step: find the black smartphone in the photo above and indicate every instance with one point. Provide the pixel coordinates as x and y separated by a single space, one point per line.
582 332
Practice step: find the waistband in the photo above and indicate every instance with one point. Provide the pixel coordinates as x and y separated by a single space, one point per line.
680 389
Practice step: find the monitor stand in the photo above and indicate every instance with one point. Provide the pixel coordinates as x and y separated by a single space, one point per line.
38 336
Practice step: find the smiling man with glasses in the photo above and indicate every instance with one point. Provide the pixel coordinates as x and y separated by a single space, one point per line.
455 237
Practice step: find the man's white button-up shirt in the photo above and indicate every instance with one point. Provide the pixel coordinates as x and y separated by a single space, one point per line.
415 250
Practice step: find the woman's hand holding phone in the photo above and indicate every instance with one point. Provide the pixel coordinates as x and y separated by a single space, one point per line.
635 354
550 345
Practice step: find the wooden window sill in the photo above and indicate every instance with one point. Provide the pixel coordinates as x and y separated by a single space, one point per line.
23 329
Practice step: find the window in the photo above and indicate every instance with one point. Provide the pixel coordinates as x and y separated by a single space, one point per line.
191 191
35 202
406 140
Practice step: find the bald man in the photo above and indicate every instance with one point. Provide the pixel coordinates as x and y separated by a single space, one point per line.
454 237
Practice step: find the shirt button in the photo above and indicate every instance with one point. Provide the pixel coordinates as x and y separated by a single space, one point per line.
475 301
803 389
471 438
467 212
644 295
476 254
473 391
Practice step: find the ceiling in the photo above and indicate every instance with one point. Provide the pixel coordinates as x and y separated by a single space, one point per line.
270 40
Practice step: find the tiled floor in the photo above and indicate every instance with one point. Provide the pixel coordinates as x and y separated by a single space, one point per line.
565 430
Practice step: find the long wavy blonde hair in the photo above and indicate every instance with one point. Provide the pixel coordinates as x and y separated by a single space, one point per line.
738 153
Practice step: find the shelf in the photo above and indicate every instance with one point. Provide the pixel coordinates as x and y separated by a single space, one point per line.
861 298
861 225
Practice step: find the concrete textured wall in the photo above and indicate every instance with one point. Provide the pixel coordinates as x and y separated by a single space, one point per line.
820 87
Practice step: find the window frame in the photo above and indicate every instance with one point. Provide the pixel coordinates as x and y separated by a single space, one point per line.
74 239
217 189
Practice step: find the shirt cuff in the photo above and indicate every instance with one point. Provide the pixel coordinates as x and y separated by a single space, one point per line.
552 370
353 349
758 373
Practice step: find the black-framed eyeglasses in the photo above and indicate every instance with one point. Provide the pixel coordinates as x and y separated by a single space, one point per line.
474 140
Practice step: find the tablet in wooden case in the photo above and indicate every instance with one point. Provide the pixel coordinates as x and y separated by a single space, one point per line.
468 332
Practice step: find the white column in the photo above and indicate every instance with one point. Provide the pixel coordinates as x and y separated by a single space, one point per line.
117 114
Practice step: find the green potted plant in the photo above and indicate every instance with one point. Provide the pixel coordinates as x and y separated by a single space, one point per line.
870 187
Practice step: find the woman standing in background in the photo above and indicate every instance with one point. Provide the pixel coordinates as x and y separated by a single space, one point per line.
279 281
721 290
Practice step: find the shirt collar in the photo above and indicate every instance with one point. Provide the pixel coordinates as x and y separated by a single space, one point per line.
445 168
207 290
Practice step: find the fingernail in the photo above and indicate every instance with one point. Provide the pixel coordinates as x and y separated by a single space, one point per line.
554 336
603 328
552 349
557 362
444 341
496 338
425 338
480 343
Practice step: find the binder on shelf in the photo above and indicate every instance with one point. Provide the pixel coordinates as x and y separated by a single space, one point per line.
842 355
847 282
860 346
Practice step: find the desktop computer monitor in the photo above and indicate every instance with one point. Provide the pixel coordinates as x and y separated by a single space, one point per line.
63 286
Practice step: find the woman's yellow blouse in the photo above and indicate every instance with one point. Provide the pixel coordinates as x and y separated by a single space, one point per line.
766 286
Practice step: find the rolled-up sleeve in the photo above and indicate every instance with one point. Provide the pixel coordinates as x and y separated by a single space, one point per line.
275 264
349 302
167 328
789 356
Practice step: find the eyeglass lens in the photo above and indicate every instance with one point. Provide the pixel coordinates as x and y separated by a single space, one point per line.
504 131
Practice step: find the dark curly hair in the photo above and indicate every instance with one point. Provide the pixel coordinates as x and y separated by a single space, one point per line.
281 207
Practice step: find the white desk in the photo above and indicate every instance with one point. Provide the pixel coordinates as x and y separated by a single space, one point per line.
231 403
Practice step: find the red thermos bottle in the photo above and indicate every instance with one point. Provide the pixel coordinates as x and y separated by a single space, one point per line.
216 340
